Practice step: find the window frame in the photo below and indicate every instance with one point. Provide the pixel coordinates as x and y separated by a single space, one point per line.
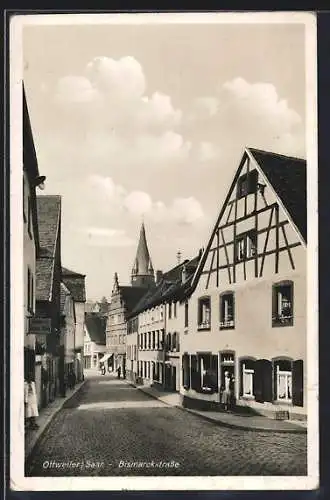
251 180
202 324
222 320
277 320
243 237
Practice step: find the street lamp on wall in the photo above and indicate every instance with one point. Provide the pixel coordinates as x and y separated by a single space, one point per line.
40 182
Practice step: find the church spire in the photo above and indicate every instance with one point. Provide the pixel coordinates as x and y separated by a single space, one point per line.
142 272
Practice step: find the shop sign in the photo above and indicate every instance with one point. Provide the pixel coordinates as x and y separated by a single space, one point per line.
40 326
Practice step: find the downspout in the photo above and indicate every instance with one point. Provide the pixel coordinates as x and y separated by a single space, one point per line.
164 346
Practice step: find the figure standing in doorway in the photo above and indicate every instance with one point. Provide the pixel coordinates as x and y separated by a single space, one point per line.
30 403
118 371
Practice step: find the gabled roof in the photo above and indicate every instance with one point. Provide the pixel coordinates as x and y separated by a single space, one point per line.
75 282
96 325
49 214
170 286
131 296
287 175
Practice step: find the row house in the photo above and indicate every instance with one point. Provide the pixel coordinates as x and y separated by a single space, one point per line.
94 340
30 181
68 329
248 297
75 283
122 302
49 344
155 327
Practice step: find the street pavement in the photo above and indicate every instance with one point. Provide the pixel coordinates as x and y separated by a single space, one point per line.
110 428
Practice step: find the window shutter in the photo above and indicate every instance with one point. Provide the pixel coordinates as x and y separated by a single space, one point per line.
275 365
195 383
215 374
258 381
241 378
267 380
298 382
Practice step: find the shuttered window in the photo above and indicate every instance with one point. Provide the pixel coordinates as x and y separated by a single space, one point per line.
195 376
186 371
263 380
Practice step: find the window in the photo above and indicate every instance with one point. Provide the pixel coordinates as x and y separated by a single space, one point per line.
247 184
149 340
174 341
170 310
245 246
153 340
186 314
227 311
283 380
185 371
174 310
169 342
161 312
204 313
283 304
247 375
208 369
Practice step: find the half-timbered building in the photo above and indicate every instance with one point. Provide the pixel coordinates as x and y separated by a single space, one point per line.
248 306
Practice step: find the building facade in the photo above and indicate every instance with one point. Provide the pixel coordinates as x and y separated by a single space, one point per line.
155 327
30 180
49 349
122 302
68 329
94 340
247 309
75 282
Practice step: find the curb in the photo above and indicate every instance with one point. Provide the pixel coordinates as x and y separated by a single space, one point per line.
228 425
50 418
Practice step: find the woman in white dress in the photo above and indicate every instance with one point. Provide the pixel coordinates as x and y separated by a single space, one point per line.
30 403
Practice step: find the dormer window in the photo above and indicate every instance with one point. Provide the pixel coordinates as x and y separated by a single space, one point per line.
204 313
247 184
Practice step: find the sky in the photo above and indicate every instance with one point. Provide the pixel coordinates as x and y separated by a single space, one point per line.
149 122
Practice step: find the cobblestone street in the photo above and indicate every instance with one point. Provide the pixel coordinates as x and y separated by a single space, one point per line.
109 424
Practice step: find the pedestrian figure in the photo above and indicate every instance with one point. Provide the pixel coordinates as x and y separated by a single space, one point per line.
30 403
227 388
103 369
118 371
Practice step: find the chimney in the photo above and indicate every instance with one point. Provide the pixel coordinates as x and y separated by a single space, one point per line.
200 253
159 275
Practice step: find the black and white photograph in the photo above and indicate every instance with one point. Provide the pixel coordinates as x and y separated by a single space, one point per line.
164 287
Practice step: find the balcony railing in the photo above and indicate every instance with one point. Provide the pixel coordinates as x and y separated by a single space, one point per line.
227 324
282 320
204 325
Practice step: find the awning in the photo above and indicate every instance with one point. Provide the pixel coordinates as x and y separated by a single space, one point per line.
105 358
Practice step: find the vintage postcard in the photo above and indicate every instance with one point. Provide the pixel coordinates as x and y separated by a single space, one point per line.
164 290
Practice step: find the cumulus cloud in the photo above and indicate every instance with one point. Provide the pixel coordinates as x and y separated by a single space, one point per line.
117 117
139 203
243 113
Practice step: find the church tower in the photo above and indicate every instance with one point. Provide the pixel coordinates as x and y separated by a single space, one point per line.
142 272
